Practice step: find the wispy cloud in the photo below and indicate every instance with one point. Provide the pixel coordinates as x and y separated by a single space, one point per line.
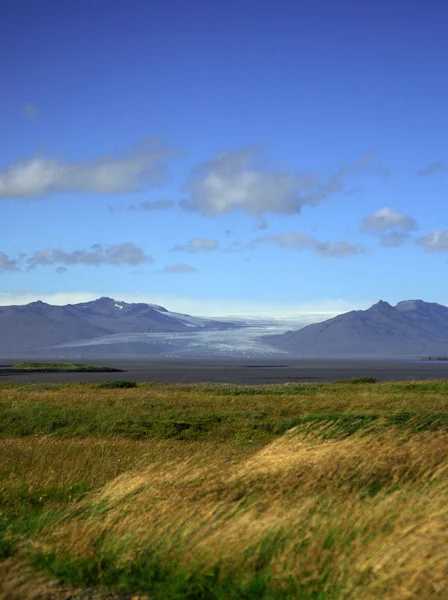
393 240
301 241
42 176
432 168
237 181
197 245
179 269
236 246
437 241
154 205
341 249
392 228
262 225
117 255
7 263
29 110
61 270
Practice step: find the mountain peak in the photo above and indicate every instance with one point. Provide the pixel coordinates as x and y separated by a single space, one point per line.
105 300
37 304
382 305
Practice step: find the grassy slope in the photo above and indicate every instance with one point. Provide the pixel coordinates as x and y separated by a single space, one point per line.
305 491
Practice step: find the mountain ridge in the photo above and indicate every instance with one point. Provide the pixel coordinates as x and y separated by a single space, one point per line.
411 328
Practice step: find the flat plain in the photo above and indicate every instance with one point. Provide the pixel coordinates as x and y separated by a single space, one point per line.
249 371
206 491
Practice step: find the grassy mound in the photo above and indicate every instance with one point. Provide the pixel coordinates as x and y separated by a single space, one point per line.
57 366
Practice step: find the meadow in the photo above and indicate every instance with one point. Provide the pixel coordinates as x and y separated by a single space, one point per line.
217 491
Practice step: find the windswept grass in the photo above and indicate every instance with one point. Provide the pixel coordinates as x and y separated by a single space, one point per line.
297 491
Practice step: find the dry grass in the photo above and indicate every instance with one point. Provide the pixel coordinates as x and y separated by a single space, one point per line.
321 511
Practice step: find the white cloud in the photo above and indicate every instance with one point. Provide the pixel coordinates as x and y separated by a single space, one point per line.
385 219
197 245
234 181
431 169
117 255
179 269
437 241
40 176
29 110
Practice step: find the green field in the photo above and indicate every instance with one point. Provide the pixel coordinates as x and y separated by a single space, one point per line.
321 491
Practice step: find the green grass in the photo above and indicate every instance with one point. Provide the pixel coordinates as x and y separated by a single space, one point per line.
228 414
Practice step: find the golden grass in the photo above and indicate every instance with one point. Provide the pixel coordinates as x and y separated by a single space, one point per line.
39 462
320 496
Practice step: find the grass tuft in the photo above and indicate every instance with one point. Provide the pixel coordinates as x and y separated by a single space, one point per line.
116 384
357 380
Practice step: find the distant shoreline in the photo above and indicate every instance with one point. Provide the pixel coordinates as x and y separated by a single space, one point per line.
54 367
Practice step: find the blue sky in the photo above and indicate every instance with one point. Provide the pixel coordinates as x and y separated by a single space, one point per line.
237 157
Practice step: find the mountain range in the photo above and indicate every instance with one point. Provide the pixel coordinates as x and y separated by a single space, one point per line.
412 328
107 327
43 327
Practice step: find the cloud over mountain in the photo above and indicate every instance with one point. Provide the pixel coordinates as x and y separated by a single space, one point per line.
237 181
41 176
